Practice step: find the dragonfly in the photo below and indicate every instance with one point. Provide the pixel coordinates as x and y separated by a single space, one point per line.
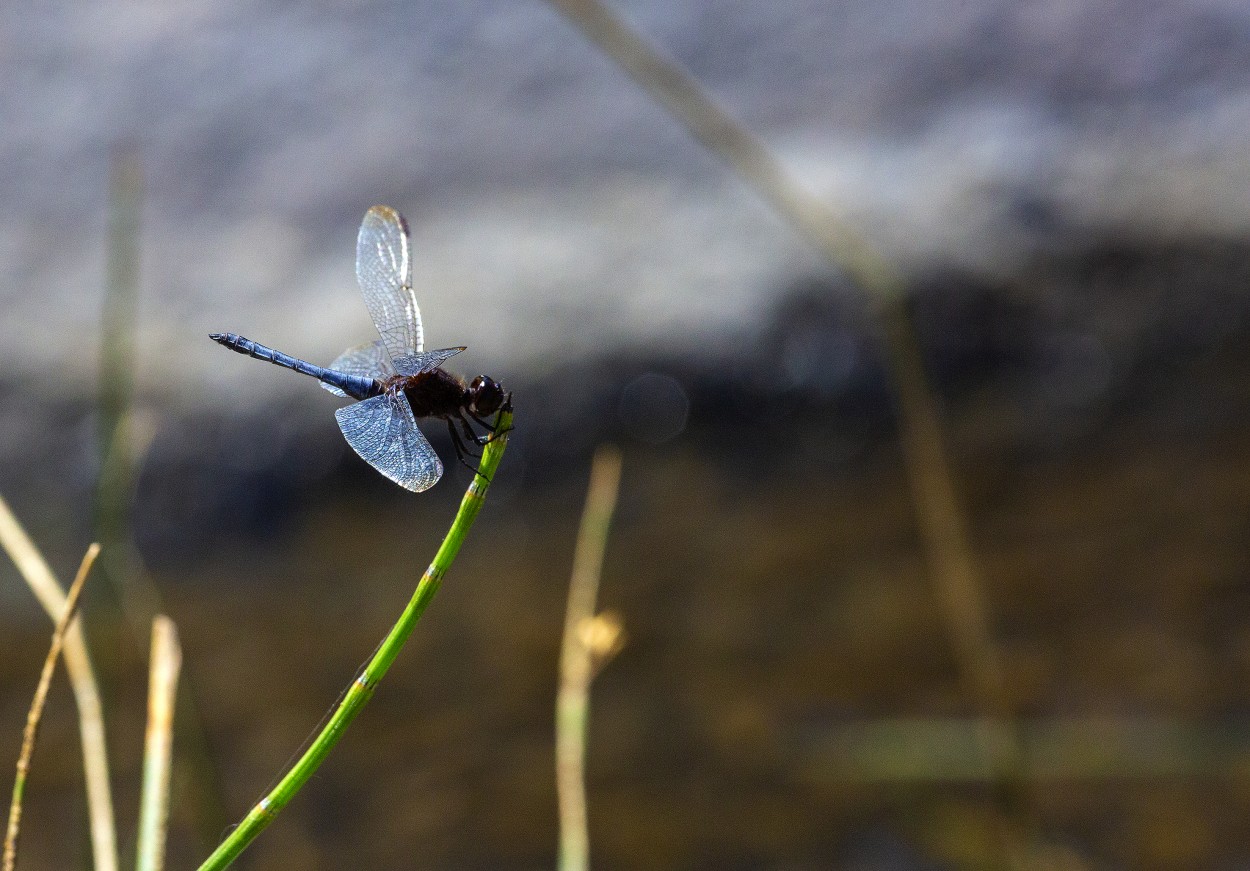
394 380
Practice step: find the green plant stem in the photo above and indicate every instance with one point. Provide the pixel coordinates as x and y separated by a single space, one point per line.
361 689
114 496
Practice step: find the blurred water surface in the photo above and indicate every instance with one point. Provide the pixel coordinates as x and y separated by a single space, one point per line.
545 188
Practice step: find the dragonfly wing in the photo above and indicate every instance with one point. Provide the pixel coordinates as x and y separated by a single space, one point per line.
384 271
415 364
383 431
369 360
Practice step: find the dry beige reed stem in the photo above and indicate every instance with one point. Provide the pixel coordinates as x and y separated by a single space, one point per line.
31 732
158 744
34 570
586 647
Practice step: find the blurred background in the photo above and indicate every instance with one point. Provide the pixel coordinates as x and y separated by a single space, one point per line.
1062 186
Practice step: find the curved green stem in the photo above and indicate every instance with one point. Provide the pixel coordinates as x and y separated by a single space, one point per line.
363 686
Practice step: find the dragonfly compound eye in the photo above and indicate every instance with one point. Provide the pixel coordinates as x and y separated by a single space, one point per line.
487 395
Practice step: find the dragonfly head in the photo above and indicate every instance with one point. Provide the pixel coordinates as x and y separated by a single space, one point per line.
485 395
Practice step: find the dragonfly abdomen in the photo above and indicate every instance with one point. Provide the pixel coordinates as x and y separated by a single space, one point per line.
355 386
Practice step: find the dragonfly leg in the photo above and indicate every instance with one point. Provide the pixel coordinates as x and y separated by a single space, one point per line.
487 439
461 450
469 435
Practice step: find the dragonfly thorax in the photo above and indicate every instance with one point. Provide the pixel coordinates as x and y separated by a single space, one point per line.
436 393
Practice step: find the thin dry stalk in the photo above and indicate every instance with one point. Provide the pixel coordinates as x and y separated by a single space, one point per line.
939 513
158 744
34 569
671 86
36 707
941 518
581 654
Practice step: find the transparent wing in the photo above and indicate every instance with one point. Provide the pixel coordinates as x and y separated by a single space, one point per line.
383 431
414 364
385 275
369 360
